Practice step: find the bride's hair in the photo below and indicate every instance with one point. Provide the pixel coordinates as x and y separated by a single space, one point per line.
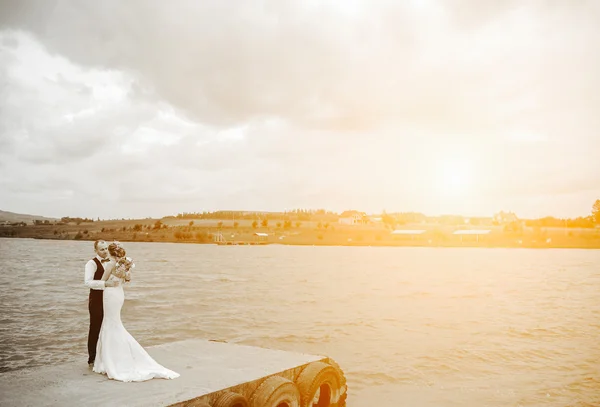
116 250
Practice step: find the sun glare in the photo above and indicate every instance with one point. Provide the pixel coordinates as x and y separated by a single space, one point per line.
454 179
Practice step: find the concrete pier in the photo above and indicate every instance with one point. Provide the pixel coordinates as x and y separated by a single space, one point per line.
213 374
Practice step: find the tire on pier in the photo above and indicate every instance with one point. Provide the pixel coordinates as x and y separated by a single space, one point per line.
231 399
344 387
196 403
276 391
321 385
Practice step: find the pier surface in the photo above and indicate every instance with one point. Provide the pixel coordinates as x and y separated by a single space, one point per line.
205 367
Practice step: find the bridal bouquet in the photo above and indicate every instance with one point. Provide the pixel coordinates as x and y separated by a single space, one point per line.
122 268
124 264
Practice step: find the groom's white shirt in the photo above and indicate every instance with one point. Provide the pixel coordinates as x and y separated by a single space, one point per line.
90 270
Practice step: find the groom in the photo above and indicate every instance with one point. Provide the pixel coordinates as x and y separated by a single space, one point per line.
94 270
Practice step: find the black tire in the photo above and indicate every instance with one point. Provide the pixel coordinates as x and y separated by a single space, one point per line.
231 399
276 391
320 384
344 387
199 403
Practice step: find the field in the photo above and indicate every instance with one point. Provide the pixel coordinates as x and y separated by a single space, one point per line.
304 233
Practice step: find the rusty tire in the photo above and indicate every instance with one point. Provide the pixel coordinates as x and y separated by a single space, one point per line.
231 399
276 391
320 384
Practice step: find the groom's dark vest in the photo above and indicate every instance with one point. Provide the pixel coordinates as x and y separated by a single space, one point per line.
96 295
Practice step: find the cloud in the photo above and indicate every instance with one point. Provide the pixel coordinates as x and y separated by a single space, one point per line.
335 65
77 140
275 104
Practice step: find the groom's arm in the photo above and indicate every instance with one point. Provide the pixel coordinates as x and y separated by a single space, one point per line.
90 270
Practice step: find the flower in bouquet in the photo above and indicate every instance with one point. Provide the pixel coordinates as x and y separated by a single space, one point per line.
123 264
123 268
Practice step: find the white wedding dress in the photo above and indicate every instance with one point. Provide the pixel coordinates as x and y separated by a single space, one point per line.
118 354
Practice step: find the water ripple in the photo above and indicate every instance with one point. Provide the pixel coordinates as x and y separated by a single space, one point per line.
459 326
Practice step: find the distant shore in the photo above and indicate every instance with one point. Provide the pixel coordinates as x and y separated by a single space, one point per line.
308 233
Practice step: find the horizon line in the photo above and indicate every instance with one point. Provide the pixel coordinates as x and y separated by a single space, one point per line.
314 211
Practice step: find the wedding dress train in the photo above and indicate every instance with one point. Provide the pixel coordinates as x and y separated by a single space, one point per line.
118 354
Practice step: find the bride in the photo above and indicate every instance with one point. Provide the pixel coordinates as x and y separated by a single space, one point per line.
118 354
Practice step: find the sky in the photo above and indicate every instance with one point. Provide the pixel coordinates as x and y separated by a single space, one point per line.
139 109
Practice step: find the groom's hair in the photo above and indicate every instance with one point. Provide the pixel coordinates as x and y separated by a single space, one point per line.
97 242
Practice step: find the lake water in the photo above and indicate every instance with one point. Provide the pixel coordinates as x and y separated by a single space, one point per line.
409 326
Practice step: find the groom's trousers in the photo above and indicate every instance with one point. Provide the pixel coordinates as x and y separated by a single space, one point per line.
96 310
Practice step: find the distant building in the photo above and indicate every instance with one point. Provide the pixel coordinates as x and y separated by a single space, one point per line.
407 233
259 236
353 218
502 218
477 233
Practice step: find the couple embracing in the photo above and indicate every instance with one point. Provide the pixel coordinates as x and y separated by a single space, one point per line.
111 349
